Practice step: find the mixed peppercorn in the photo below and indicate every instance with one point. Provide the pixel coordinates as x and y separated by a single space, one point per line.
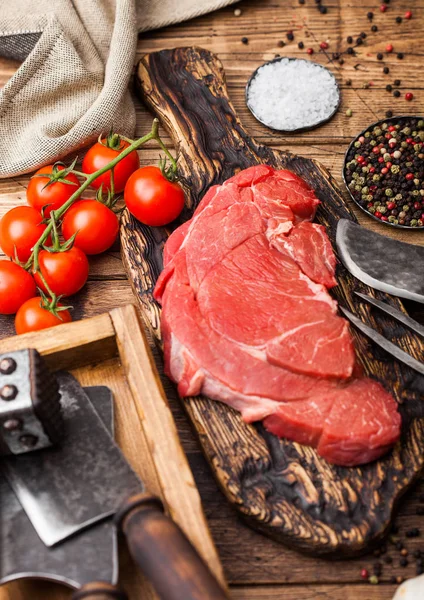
384 171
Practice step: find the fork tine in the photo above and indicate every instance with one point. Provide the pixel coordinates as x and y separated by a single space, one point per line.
394 312
381 341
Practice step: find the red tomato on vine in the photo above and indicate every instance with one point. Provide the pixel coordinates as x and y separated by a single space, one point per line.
95 225
51 192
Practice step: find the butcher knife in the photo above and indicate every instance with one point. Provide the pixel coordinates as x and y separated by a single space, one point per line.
381 262
84 558
93 481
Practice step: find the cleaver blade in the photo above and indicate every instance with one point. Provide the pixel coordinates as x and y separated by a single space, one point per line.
83 481
381 262
87 557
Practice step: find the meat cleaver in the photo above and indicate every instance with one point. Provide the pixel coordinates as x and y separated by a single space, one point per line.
84 558
92 481
381 262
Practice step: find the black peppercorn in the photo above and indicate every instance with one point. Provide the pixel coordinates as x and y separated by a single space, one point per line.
374 28
281 44
403 561
244 40
363 35
290 36
393 579
389 113
301 1
341 61
396 82
349 39
323 10
350 50
370 15
398 19
359 41
389 87
399 55
386 70
414 532
396 93
301 45
379 56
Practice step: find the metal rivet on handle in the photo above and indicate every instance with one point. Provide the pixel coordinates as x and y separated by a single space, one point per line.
29 441
12 424
8 392
7 366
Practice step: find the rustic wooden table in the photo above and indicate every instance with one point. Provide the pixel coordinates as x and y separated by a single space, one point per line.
256 567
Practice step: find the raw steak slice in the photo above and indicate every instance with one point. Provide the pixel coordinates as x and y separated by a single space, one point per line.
247 318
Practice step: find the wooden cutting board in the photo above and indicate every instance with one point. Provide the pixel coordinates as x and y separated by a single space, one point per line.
281 488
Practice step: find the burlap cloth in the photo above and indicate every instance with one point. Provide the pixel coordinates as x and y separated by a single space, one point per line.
73 84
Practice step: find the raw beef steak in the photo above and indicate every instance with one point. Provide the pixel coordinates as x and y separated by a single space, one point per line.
247 319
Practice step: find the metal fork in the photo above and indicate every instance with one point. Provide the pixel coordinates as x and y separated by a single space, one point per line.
379 339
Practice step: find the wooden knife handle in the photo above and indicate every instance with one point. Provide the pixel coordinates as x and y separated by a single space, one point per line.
164 554
99 590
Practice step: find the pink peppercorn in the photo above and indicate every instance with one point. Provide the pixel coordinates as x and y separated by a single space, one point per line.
384 170
409 96
408 14
380 159
391 128
409 176
389 48
309 51
360 159
376 150
384 218
323 45
417 205
372 169
388 164
409 140
383 8
391 205
378 214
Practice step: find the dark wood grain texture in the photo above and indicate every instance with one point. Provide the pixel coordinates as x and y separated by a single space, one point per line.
282 489
164 554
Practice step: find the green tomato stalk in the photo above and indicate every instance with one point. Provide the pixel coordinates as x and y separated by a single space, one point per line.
88 180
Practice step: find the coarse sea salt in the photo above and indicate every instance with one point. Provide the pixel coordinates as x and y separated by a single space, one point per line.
290 93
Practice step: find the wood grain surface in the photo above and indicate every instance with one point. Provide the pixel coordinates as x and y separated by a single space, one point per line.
111 350
281 488
258 567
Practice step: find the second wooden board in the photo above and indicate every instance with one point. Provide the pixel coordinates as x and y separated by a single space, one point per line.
281 488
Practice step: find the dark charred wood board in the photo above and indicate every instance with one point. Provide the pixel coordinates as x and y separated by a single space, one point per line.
280 488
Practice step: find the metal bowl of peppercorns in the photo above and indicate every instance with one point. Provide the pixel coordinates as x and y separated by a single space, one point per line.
384 171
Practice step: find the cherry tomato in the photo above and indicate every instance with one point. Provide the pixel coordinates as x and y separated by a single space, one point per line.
32 316
65 272
20 229
100 155
151 198
16 286
95 224
52 196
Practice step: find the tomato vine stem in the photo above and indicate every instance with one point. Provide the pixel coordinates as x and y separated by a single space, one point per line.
57 214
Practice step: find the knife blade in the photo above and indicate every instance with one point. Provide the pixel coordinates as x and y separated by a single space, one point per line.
393 312
88 480
86 557
62 492
381 341
381 262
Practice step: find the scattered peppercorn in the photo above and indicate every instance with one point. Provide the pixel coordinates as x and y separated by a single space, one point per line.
301 45
374 28
290 36
244 40
408 14
370 15
414 532
396 93
341 61
399 579
349 39
309 50
281 44
404 551
379 56
386 70
237 12
348 82
323 10
350 50
393 580
403 562
324 45
389 113
373 580
399 55
359 41
383 8
389 87
364 573
409 96
301 1
349 112
389 48
396 82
